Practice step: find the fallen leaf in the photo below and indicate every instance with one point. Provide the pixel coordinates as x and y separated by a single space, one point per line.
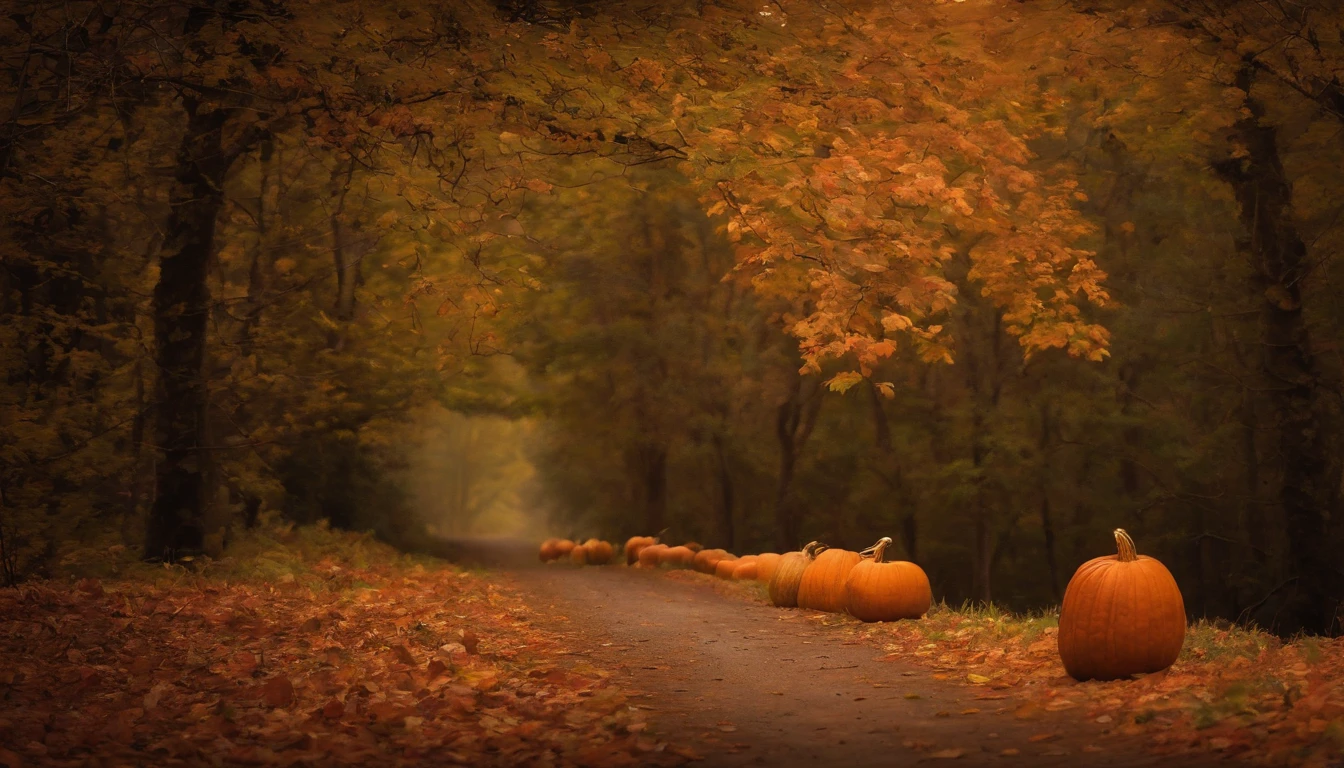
404 655
470 641
278 692
948 754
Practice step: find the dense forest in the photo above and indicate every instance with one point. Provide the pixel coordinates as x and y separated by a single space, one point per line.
991 278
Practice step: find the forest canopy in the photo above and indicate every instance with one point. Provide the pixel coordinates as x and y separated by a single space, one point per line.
992 278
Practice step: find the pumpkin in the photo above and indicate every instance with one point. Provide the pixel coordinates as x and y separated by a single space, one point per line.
705 559
694 546
599 552
789 574
676 557
765 566
823 584
723 568
563 548
579 555
634 544
746 569
652 555
877 590
1122 615
548 551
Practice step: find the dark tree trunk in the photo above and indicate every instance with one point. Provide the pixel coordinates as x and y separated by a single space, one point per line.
1047 519
181 307
650 467
726 503
258 272
346 262
892 474
794 420
1301 418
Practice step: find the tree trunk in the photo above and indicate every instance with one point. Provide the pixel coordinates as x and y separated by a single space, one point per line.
258 272
794 420
181 307
893 475
655 489
1307 494
726 503
1047 521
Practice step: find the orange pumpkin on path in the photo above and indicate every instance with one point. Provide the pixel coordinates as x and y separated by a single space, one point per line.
823 584
876 590
1122 615
789 574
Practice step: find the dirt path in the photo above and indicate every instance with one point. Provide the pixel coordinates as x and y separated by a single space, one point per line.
748 684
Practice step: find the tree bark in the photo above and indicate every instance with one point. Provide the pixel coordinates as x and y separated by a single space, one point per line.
1302 420
794 420
726 502
1047 519
181 307
900 495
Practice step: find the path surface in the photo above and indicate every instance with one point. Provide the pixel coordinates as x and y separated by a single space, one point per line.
748 685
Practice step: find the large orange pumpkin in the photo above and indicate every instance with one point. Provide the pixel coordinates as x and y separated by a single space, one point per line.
746 569
789 574
676 557
1122 615
823 584
765 566
706 559
652 555
634 544
876 590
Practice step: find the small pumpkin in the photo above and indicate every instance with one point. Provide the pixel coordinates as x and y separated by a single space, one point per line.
725 565
765 566
1122 615
823 584
563 548
706 559
877 590
676 557
579 555
694 546
746 569
652 555
599 552
634 544
789 574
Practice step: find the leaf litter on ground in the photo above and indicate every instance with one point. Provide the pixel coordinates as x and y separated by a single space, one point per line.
1233 691
347 658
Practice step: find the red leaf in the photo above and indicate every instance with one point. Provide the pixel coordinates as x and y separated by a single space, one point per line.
278 692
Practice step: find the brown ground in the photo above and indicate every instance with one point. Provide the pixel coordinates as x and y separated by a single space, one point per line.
748 684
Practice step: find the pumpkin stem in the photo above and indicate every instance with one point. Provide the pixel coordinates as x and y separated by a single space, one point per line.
813 549
877 550
661 534
1125 546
